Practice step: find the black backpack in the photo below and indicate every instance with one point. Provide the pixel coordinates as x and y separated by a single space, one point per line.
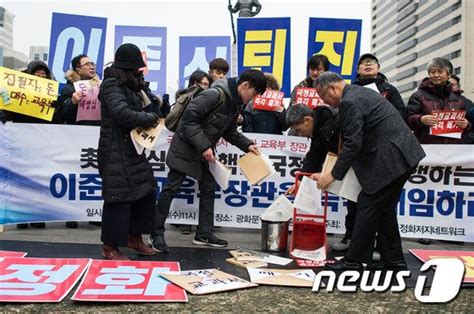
183 98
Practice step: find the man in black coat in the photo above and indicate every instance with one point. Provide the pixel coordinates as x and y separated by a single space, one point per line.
383 152
204 121
368 73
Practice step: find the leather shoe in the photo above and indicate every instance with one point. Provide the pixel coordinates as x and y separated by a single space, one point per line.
344 264
135 242
113 253
397 265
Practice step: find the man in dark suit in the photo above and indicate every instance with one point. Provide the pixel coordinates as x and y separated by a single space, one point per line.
383 152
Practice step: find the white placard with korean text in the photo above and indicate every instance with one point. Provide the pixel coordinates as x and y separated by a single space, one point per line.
56 165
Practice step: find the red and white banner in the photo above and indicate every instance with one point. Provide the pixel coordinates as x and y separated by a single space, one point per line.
11 254
269 101
39 279
129 281
308 96
445 125
467 257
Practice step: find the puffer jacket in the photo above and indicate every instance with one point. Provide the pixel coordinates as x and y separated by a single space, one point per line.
203 123
263 121
126 176
430 97
387 90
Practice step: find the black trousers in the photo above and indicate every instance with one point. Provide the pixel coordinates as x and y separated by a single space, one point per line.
207 186
350 218
376 216
119 220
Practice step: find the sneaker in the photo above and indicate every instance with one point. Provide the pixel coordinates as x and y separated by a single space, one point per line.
39 225
185 229
424 241
72 224
211 240
158 244
341 245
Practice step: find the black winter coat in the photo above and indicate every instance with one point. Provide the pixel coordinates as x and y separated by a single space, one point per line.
387 90
126 176
262 121
325 138
201 127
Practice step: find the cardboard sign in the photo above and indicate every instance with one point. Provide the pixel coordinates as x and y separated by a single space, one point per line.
282 277
88 108
445 125
12 254
39 279
308 96
204 281
245 264
467 257
256 168
271 100
146 137
27 94
129 281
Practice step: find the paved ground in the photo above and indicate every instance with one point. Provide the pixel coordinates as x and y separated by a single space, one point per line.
263 298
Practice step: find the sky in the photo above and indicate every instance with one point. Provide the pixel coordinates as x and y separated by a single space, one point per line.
32 23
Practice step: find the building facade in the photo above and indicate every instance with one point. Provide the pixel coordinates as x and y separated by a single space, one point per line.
39 53
406 35
6 28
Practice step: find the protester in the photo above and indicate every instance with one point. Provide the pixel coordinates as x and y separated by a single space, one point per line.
322 126
368 68
82 68
316 65
40 69
200 78
372 132
264 121
467 137
128 183
435 93
218 69
205 120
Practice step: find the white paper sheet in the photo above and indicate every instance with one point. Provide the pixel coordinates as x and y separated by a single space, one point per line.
316 255
280 210
308 197
221 173
349 188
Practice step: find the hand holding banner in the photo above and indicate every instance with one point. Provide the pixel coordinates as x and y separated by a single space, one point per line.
27 94
308 96
445 125
271 100
89 106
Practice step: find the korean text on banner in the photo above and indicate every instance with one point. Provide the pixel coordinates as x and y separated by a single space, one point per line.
264 44
27 94
445 126
152 41
195 53
89 106
72 35
308 96
271 100
339 40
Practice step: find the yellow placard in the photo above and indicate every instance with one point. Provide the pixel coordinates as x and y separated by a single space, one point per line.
27 94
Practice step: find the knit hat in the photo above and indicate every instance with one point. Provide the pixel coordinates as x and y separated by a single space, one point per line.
129 56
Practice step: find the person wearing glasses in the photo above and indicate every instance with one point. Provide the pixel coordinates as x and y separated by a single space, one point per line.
83 68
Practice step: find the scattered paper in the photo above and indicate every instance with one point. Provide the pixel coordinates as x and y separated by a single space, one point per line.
256 168
272 259
308 197
316 255
245 264
204 281
282 277
221 173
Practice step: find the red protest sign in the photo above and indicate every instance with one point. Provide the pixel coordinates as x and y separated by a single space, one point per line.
129 281
308 96
12 254
445 125
39 279
467 257
269 101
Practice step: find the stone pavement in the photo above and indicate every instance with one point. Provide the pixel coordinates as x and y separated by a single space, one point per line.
263 298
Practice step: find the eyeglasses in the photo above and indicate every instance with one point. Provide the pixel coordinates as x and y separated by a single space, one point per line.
89 64
368 62
321 95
